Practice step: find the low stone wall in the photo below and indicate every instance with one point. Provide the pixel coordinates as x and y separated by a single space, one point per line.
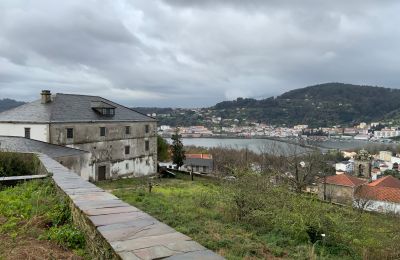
117 230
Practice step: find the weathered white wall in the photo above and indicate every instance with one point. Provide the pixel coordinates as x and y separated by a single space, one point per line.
381 206
384 206
79 164
136 167
38 131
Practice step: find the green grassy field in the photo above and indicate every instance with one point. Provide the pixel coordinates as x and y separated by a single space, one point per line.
205 211
35 223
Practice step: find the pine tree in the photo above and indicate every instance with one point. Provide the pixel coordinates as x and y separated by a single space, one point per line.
178 152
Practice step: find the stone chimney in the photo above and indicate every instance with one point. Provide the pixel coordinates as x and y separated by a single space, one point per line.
46 96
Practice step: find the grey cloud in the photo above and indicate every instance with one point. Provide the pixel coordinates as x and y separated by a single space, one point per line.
194 53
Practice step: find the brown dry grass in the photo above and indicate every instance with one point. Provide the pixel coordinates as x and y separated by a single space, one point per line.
30 248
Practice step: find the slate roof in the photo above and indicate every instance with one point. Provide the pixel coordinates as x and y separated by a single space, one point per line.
199 162
24 145
344 180
69 108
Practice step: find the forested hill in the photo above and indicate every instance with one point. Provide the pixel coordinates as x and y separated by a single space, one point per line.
7 103
320 105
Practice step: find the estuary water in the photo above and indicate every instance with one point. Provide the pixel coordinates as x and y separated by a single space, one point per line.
273 146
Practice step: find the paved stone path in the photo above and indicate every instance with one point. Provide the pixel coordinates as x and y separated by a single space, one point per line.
132 233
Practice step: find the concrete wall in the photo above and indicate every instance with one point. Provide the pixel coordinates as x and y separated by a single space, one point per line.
79 164
336 194
109 150
38 131
383 207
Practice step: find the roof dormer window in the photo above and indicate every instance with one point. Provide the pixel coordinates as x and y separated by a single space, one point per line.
108 111
103 108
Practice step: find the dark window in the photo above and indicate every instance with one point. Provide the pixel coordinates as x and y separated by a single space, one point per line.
147 129
127 149
108 111
70 133
127 130
146 145
102 131
27 132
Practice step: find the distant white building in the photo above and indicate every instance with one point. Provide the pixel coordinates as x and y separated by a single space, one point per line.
387 133
361 137
345 166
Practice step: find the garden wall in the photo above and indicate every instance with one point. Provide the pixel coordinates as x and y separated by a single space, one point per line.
117 230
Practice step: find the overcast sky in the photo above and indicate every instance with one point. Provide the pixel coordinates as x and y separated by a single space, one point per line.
190 53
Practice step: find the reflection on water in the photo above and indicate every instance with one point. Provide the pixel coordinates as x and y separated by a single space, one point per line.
255 145
276 147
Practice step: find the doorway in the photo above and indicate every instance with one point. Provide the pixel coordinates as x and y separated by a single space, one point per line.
101 173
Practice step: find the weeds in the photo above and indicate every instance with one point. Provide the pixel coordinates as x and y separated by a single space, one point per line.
250 218
34 209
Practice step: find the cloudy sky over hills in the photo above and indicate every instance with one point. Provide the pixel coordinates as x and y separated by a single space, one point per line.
194 53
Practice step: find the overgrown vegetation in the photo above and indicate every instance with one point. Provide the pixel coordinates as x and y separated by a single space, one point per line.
32 214
162 149
18 164
251 218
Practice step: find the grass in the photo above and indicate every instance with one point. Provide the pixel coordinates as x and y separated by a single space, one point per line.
35 223
204 210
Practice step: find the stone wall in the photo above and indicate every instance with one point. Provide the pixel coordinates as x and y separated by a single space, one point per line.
117 230
336 194
109 150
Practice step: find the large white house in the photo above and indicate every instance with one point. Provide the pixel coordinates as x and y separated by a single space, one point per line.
121 141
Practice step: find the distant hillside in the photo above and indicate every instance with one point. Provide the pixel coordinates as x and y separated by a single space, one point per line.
7 103
319 105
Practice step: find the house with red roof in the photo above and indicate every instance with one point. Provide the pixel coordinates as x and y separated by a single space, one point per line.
382 195
201 162
339 188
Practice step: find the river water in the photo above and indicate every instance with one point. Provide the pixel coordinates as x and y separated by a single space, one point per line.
272 146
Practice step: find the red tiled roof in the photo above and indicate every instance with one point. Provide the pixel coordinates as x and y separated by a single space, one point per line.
198 156
344 180
379 193
387 181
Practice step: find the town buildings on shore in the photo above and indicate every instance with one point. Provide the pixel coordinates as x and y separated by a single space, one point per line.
363 131
121 141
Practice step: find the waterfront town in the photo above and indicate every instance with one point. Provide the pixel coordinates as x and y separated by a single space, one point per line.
375 131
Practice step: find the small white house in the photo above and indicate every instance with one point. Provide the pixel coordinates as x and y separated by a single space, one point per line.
345 166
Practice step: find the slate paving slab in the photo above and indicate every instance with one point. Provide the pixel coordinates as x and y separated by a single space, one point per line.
136 230
103 220
106 211
132 233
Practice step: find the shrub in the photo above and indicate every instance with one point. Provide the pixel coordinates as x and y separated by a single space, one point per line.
67 236
17 164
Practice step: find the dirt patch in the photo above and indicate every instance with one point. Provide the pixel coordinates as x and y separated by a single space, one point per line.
30 248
